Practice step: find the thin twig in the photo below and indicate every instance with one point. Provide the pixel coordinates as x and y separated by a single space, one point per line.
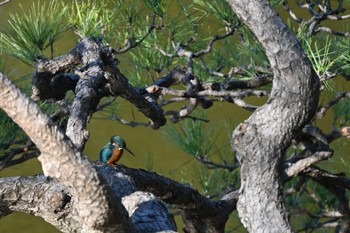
322 111
331 31
132 44
213 165
129 123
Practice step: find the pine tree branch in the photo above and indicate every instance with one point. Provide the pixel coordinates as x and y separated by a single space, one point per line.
61 160
47 198
200 212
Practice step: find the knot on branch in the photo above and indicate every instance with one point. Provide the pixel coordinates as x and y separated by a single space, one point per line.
97 77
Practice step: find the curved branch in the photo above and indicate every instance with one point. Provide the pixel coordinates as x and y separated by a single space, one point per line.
303 164
97 77
322 111
261 140
60 159
214 39
45 197
132 44
41 196
201 213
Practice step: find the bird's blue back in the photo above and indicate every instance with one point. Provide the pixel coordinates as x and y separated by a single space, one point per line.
106 153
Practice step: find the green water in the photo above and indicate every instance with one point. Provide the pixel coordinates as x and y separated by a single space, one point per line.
146 143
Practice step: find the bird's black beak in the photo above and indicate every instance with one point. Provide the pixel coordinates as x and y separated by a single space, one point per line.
129 150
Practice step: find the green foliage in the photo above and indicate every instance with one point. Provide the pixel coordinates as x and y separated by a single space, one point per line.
341 112
226 57
90 18
250 50
321 57
219 9
312 200
129 24
276 3
158 7
129 12
184 27
213 182
30 33
149 62
9 130
343 44
117 22
192 136
112 108
325 56
149 162
196 139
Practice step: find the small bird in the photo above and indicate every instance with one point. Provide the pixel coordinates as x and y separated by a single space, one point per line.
113 151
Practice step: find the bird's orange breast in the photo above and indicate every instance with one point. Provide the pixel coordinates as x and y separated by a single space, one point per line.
117 154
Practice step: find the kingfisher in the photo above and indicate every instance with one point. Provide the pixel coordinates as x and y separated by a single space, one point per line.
113 151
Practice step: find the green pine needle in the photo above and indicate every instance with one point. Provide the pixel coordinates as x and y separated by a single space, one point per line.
28 34
192 137
219 9
158 7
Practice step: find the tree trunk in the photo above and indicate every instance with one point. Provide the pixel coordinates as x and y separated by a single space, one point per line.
261 140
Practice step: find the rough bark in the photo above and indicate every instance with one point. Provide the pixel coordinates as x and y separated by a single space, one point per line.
200 213
61 160
45 197
97 77
261 140
40 196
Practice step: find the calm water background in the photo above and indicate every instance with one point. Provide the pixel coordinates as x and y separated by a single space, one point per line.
168 159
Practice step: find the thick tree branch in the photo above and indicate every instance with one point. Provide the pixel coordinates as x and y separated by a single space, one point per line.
245 84
303 164
46 198
41 196
60 159
201 213
120 86
97 77
261 140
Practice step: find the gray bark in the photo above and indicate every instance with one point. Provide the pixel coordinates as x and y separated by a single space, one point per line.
45 197
97 77
61 160
201 214
261 140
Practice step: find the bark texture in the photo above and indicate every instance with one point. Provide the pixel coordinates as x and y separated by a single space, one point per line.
201 214
61 160
261 140
97 77
45 197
